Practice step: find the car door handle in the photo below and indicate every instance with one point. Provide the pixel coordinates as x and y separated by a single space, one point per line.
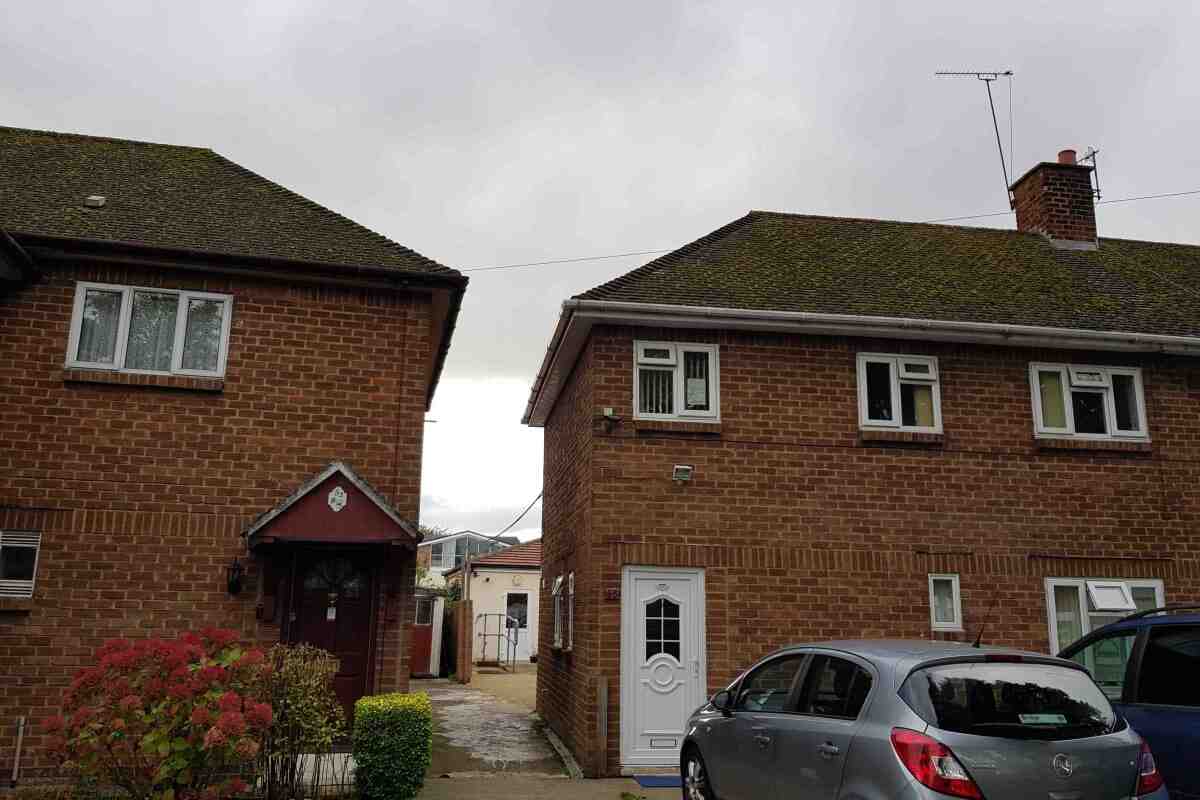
762 739
829 749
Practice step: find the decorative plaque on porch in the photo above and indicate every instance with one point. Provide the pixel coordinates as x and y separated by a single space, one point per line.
337 498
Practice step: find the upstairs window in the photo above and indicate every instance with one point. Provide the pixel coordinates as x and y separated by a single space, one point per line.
135 329
675 381
945 603
18 562
1087 401
899 393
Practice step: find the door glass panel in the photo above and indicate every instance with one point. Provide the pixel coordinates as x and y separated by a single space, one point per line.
1106 659
662 629
336 576
424 612
834 687
1170 666
769 687
518 609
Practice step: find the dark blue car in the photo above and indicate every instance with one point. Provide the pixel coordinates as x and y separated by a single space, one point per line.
1149 666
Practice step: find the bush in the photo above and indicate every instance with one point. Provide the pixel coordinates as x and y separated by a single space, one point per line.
166 720
308 719
393 738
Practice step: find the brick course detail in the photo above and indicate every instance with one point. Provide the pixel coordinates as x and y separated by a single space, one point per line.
807 529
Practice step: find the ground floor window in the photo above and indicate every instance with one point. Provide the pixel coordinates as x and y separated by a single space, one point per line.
18 562
1078 606
557 593
571 611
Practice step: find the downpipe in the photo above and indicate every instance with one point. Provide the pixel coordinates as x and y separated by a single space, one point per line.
16 769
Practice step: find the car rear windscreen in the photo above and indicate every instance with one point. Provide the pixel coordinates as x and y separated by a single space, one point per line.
1010 700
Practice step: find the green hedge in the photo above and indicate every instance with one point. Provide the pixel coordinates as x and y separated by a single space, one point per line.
393 737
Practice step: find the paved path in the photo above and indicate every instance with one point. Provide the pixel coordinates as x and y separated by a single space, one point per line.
515 786
476 733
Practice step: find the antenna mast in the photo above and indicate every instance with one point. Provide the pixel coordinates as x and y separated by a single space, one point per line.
987 78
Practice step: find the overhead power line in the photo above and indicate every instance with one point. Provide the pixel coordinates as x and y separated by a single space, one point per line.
580 259
519 517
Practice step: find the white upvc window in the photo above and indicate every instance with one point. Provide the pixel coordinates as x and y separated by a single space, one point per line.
1077 606
1088 402
149 330
673 380
945 603
570 611
18 562
898 392
556 593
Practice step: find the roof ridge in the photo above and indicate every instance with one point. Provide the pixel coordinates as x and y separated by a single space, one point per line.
95 138
281 189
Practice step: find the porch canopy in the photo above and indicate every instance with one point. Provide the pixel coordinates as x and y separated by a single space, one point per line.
335 506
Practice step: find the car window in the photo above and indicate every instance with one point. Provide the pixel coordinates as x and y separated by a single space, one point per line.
1106 659
769 686
834 687
1010 700
1170 666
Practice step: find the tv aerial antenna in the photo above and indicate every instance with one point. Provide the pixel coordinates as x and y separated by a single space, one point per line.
987 78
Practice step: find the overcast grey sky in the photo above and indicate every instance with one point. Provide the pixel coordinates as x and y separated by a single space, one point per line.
484 133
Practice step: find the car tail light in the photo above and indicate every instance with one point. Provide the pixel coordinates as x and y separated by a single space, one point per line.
1149 778
932 763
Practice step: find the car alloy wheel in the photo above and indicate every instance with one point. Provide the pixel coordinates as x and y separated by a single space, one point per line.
695 779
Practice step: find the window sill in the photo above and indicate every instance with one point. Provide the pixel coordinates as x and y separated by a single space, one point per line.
915 438
1110 445
676 426
183 382
20 604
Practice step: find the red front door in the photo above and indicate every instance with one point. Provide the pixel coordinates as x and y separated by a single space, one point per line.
422 638
333 597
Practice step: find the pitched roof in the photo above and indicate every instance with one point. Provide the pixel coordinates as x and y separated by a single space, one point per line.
176 197
456 534
527 555
835 265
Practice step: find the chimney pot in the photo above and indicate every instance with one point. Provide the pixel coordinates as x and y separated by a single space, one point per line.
1066 156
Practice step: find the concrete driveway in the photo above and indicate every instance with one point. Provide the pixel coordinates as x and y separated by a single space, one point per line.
516 786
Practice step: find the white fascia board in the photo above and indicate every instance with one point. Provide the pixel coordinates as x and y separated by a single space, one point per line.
578 317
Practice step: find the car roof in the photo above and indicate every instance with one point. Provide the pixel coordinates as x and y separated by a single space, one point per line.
1136 623
901 656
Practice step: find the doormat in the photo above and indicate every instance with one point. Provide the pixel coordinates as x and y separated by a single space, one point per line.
658 781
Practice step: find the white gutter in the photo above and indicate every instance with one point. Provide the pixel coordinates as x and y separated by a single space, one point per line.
578 316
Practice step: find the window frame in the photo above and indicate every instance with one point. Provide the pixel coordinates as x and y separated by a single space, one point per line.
121 346
956 625
556 593
898 377
675 365
19 588
1107 390
570 611
1080 585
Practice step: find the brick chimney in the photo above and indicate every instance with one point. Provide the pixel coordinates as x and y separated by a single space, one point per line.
1055 199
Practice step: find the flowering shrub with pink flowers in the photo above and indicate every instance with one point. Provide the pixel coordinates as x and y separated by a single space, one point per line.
167 720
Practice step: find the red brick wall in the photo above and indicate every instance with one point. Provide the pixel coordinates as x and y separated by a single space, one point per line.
141 492
805 531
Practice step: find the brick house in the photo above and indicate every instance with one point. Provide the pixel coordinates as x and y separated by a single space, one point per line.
213 414
802 428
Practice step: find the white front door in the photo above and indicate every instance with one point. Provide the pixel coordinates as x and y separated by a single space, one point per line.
662 661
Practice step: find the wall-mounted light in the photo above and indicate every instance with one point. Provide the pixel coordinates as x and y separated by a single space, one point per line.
233 577
682 472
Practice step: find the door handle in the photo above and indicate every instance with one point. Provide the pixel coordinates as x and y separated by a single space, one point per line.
829 749
762 739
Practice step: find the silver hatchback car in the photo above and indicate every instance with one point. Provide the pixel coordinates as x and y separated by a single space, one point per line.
871 720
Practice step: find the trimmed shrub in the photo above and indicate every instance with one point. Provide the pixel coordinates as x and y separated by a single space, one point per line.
393 739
